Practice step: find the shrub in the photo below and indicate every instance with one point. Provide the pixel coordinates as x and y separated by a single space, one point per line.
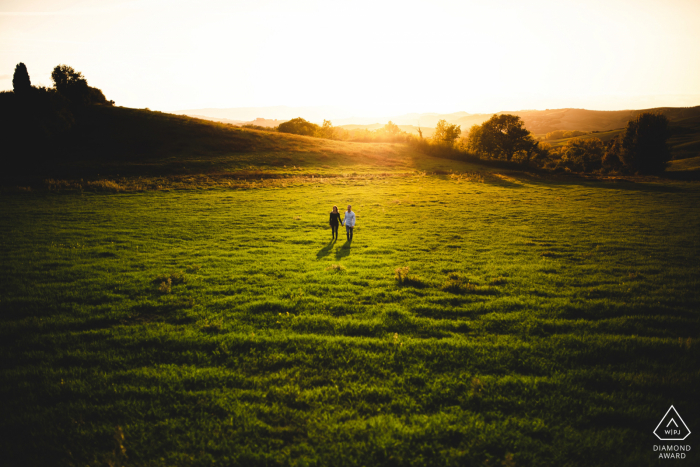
612 159
173 277
389 133
446 133
298 126
403 277
166 286
457 284
213 326
582 155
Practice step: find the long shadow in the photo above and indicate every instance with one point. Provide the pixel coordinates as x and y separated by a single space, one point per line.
535 177
622 185
326 250
344 250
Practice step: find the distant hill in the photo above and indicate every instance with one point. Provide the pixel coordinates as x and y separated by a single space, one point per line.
537 121
121 142
124 142
279 112
212 119
544 121
427 131
265 122
685 121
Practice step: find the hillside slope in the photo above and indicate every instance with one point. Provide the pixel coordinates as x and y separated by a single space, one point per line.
116 141
544 121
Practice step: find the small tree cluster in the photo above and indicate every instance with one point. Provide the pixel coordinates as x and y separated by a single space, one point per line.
32 118
389 133
74 87
644 147
446 133
641 149
578 155
298 126
504 137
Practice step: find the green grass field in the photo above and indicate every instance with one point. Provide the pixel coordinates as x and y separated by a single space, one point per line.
543 322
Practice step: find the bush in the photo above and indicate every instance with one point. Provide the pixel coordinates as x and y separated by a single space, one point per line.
445 133
389 133
298 126
172 277
582 155
457 284
612 159
403 277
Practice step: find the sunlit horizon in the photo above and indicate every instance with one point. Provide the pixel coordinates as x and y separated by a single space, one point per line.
364 58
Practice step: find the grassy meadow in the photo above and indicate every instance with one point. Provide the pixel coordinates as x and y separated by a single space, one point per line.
532 321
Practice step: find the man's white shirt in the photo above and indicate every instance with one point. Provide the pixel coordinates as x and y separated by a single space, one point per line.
350 219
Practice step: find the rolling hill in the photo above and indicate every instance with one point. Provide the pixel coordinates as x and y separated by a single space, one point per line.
117 142
685 122
123 142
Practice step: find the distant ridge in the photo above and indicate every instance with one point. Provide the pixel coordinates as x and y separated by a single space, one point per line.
537 121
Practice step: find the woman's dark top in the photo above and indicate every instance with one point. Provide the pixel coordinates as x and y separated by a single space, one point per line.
335 218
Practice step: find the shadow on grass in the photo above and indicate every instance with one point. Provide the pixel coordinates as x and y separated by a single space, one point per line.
326 250
344 250
649 184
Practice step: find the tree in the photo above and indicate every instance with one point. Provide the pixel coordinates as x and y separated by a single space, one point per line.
612 159
583 155
472 142
298 126
644 144
502 137
391 129
326 130
21 84
446 133
71 84
96 96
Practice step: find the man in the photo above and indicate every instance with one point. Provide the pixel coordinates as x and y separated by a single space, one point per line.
349 222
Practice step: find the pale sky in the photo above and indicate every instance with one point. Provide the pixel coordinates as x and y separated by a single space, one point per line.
369 57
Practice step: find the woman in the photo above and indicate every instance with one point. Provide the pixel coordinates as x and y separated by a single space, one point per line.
335 220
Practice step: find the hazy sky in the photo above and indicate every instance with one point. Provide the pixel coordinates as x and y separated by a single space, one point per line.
370 57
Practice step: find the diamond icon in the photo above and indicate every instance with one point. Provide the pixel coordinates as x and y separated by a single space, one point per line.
672 427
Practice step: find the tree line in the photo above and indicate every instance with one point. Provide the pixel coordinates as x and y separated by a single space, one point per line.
389 133
34 118
642 148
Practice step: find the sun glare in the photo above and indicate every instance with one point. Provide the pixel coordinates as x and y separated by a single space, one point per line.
369 58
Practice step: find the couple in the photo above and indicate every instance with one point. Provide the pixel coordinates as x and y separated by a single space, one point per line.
349 222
